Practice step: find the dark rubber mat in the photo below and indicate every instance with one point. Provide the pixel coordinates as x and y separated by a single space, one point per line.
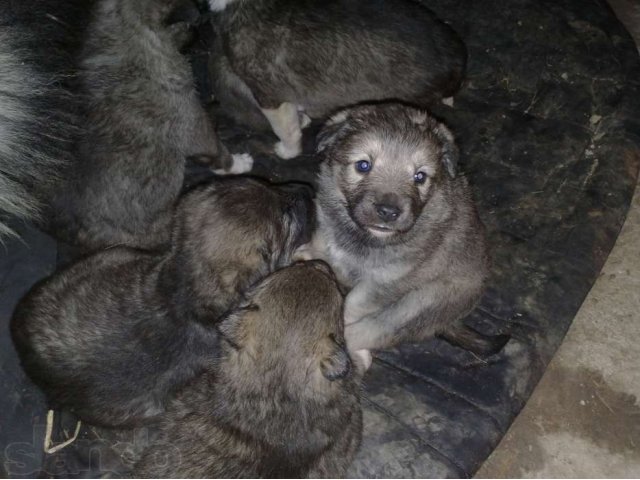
549 126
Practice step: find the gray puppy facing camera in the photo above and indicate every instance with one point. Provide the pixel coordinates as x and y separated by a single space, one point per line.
282 400
293 58
399 228
114 334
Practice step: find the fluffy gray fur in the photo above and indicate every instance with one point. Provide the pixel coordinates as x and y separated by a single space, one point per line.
144 119
114 334
37 125
320 55
419 271
282 401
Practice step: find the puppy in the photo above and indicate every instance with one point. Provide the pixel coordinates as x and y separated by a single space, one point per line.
399 228
143 121
38 110
311 57
111 336
282 401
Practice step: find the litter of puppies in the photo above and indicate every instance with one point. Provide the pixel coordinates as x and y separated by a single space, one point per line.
239 317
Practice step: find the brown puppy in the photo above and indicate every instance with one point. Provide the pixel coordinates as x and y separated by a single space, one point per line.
282 400
399 228
293 58
143 121
114 334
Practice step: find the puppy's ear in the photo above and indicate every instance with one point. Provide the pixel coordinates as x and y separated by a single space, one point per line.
333 130
450 152
336 363
230 328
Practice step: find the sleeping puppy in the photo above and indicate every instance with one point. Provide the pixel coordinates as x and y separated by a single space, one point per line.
399 228
143 121
282 399
295 59
111 336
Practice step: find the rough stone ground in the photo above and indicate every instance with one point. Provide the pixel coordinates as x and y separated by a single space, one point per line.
583 419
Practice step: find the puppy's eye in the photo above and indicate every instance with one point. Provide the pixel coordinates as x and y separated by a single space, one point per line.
363 166
420 177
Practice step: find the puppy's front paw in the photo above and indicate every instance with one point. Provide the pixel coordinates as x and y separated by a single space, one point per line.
363 359
356 306
288 151
240 163
305 120
356 336
448 101
350 316
303 253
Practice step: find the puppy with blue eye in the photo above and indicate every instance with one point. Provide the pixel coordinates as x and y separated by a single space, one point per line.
400 229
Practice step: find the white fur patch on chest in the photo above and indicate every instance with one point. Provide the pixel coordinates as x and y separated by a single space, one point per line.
219 5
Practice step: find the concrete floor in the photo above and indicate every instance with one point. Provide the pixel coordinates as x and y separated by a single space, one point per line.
583 419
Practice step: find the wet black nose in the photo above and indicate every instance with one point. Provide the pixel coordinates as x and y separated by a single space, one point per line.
387 213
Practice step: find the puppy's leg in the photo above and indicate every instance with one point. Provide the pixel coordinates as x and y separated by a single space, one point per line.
467 338
305 120
285 122
410 318
221 162
359 304
307 252
363 360
448 101
316 249
240 163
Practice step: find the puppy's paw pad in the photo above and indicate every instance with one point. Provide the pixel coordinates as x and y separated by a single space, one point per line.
286 152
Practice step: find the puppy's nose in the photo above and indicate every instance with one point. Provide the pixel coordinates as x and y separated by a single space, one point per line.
387 213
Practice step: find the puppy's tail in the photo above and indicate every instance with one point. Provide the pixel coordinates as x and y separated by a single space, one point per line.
35 130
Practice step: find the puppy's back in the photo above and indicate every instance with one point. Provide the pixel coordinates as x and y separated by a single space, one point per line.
144 120
339 53
71 332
